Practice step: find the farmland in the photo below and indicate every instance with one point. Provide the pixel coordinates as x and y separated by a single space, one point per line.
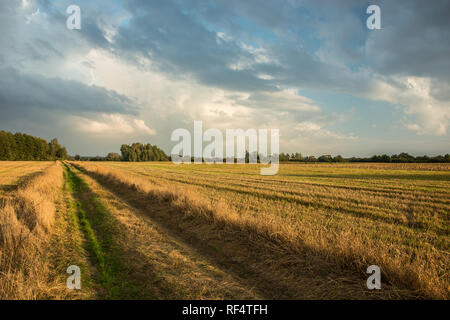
155 230
13 172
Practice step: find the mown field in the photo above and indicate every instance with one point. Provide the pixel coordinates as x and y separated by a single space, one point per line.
155 230
12 173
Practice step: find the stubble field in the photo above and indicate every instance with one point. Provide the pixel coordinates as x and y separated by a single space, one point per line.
156 230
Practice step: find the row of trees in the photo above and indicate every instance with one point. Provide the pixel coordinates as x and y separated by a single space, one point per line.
140 152
112 156
297 157
25 147
402 157
134 152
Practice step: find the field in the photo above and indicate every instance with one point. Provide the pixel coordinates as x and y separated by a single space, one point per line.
155 230
12 173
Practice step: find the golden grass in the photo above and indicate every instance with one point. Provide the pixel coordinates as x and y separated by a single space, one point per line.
353 217
26 219
380 165
309 232
13 173
163 267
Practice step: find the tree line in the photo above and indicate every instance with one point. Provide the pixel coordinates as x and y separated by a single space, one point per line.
134 152
24 147
21 146
396 158
140 152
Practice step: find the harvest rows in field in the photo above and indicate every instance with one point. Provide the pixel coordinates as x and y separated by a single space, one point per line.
27 216
419 214
162 231
395 217
12 173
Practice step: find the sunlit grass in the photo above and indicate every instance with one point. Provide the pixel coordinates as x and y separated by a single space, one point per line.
392 215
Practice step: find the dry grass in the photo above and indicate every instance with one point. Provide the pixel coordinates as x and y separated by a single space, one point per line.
339 217
26 219
380 165
13 173
219 231
163 267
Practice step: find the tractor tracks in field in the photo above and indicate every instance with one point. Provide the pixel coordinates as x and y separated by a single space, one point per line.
133 258
178 248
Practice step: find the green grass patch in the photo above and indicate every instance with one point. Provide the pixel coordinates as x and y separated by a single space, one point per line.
73 227
99 227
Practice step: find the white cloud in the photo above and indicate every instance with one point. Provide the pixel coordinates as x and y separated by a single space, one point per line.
111 124
25 3
431 116
169 103
284 100
316 131
140 125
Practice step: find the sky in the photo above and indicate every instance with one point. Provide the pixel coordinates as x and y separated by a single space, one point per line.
139 69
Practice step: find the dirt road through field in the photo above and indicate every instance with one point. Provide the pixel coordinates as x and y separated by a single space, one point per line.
136 259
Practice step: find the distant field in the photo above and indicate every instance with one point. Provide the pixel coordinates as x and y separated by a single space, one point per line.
155 230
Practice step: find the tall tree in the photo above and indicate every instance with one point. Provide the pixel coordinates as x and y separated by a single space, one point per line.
139 152
20 146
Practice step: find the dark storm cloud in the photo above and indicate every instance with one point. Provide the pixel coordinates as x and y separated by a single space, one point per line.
38 33
415 39
180 44
26 96
176 38
30 50
180 37
91 18
259 47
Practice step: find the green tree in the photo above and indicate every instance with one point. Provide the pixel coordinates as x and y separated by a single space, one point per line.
20 146
139 152
112 156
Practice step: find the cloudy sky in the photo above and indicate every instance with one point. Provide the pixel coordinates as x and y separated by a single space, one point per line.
139 69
